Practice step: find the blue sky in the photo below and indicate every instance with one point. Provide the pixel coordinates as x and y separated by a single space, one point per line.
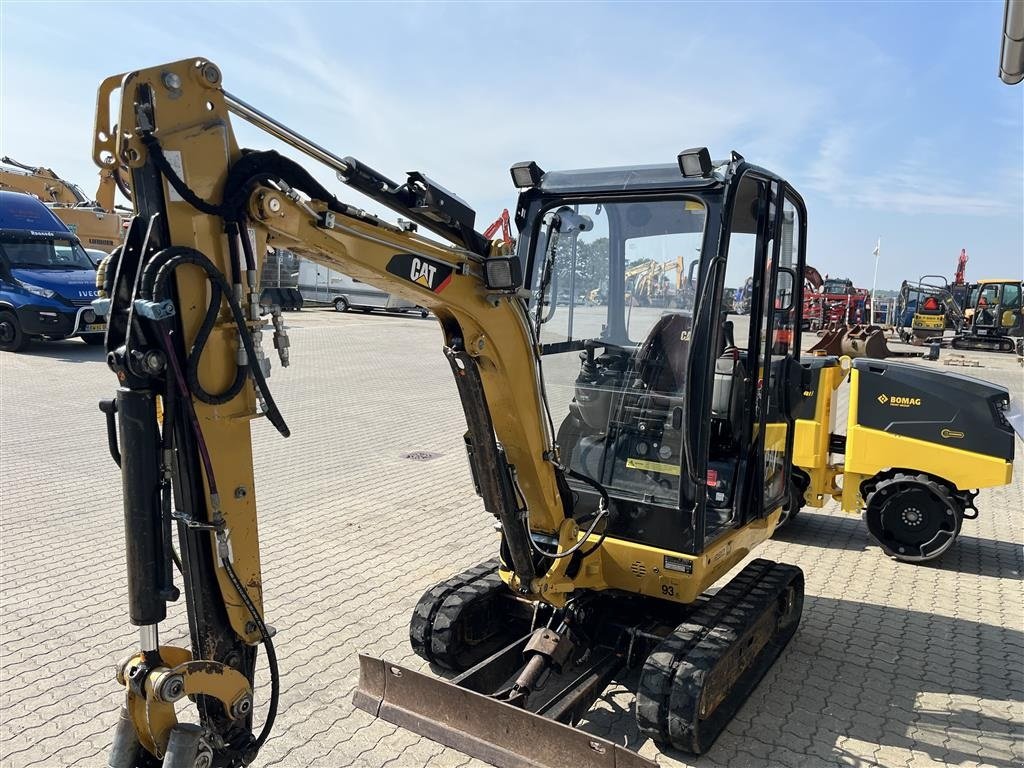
888 117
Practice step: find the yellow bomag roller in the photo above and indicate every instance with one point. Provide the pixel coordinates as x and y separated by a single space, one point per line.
630 457
917 447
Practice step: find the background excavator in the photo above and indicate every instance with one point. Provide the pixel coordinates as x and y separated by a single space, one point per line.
97 223
631 458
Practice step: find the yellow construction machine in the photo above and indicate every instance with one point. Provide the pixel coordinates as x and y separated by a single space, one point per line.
630 458
915 449
97 223
993 318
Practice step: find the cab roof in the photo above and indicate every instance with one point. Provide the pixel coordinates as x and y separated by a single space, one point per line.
622 178
19 211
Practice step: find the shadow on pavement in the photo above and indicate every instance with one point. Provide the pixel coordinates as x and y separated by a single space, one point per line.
886 676
969 554
69 350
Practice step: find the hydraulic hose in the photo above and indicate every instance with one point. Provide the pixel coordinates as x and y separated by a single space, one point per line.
211 479
185 255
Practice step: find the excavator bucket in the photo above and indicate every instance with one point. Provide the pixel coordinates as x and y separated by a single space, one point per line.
865 341
830 343
478 725
854 341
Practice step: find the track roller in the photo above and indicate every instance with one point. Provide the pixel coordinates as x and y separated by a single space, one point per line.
696 678
913 518
465 618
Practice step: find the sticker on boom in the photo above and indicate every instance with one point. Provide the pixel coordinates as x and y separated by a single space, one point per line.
426 273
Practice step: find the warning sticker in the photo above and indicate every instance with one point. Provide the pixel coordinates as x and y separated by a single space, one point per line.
678 564
173 158
652 466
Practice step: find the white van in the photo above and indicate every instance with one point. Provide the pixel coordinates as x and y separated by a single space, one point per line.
328 287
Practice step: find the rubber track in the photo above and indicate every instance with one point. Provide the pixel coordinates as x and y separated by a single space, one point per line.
653 693
421 626
444 641
673 675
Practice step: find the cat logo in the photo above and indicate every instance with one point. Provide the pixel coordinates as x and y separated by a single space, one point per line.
951 433
422 272
426 273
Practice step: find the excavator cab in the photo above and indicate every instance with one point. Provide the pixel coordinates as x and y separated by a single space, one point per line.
675 413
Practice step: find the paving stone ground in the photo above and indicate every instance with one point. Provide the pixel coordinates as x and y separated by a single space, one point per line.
893 665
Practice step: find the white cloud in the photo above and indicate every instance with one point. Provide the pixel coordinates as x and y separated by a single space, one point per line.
914 184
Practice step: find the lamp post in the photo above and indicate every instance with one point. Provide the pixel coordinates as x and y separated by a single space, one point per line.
874 280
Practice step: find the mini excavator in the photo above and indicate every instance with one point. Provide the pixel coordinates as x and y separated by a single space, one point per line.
630 458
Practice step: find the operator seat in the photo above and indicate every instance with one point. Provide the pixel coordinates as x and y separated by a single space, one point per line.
727 395
661 359
661 364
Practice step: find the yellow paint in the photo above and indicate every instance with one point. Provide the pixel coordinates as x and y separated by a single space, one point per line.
640 569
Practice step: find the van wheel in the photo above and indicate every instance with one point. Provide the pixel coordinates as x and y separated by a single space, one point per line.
341 304
12 338
92 339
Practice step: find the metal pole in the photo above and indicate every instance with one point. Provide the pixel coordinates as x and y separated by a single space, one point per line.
264 121
874 280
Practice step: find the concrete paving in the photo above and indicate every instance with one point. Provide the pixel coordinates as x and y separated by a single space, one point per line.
893 664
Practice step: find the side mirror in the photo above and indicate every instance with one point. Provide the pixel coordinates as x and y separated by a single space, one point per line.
785 286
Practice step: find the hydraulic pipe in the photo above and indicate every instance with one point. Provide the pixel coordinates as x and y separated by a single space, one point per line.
262 120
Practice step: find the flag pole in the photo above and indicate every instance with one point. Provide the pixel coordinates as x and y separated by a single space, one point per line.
874 281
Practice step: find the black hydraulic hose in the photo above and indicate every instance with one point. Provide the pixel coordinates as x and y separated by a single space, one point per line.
575 547
275 682
204 454
268 645
247 249
186 255
231 228
121 185
591 482
169 260
152 145
192 367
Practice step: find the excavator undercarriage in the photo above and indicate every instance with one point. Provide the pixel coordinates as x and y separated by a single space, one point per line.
695 666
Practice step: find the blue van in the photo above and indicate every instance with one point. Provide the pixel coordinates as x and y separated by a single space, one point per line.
47 280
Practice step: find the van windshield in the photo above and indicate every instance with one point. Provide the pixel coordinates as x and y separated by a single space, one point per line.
35 253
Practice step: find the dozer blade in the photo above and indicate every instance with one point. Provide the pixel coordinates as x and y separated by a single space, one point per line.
479 725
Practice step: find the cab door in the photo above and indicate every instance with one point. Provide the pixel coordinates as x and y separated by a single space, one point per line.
779 373
756 374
